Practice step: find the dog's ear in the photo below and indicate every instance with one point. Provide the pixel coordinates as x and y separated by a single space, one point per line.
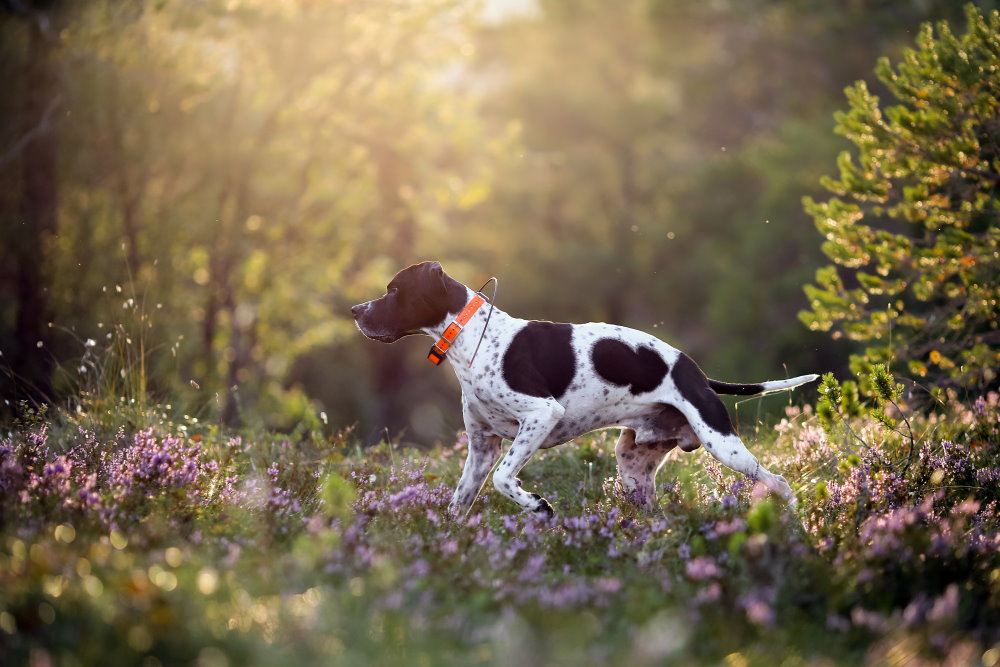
436 273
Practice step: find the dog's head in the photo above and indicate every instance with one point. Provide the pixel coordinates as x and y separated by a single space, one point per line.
420 296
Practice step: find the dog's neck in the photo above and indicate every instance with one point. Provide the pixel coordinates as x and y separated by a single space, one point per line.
462 350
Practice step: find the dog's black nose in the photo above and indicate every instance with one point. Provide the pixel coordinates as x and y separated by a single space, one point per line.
356 310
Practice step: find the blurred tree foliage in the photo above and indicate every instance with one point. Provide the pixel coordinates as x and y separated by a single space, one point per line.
213 184
913 231
667 145
243 171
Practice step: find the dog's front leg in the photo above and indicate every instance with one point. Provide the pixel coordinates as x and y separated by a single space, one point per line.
535 427
484 450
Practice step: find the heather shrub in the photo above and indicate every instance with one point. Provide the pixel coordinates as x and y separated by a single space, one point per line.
198 545
906 511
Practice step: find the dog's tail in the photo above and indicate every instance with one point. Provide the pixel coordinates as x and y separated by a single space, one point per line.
768 387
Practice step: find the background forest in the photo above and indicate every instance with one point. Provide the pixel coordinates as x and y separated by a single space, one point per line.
203 462
203 189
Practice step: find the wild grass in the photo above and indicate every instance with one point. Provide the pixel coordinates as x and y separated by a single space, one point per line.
171 541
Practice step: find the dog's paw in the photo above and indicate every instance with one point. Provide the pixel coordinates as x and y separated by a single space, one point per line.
542 507
545 508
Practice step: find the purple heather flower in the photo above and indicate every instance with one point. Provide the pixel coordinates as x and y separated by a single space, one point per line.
724 528
871 620
760 613
702 568
710 593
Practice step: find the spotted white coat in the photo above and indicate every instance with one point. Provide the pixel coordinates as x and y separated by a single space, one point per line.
540 384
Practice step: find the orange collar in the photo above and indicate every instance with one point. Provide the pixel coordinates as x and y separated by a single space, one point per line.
440 348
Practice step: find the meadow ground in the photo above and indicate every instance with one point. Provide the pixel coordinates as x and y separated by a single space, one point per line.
144 538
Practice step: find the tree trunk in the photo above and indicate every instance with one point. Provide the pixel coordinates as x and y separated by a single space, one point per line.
240 347
390 368
128 194
390 371
33 363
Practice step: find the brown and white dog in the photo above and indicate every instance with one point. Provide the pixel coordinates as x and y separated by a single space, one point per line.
541 384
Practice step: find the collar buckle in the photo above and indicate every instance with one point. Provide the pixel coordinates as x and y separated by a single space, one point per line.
440 349
436 355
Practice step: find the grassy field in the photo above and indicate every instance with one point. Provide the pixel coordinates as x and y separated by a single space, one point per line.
140 537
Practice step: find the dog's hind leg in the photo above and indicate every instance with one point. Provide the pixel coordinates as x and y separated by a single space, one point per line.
484 450
708 417
637 465
730 451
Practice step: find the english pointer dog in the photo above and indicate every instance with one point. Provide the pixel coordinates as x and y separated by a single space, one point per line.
540 384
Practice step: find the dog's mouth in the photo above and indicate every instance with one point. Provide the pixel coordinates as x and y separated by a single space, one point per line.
373 326
384 338
380 337
392 338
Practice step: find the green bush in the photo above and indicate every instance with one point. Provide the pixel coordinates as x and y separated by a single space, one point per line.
913 229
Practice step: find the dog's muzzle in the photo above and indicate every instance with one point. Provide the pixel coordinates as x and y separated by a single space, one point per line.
360 312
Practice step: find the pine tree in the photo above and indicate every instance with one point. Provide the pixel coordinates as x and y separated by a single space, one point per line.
914 225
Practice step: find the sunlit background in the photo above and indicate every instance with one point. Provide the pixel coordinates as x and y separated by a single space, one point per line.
192 195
